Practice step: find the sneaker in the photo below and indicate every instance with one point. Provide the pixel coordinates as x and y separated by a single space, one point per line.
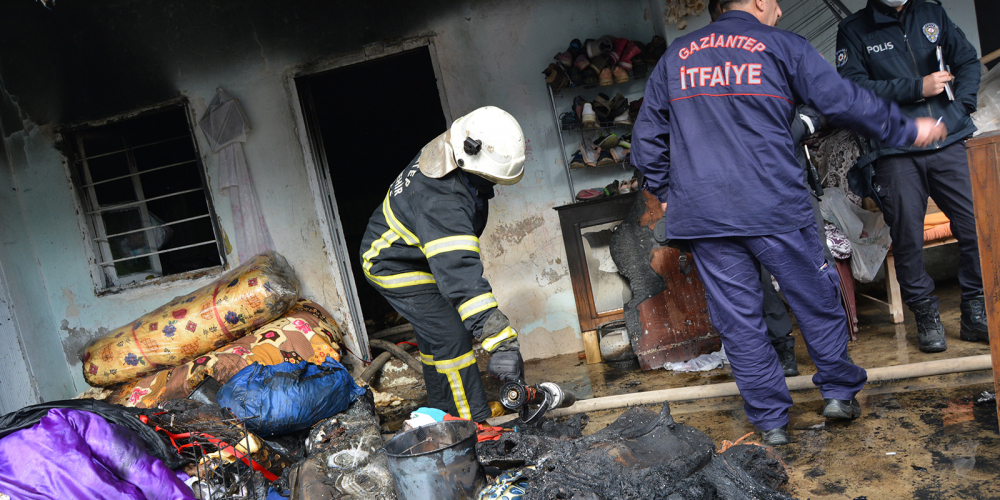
628 53
618 105
974 325
602 108
842 408
575 76
620 155
619 74
606 141
555 77
611 189
606 77
574 47
578 103
776 437
604 158
930 331
623 119
577 161
581 62
618 48
568 120
602 45
589 75
626 140
590 155
786 356
589 118
623 187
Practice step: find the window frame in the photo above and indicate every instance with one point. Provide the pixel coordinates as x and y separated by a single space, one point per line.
101 260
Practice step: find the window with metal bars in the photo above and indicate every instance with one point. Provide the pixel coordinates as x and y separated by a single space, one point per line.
144 191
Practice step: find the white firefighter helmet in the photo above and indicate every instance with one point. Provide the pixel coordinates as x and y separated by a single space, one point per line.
488 142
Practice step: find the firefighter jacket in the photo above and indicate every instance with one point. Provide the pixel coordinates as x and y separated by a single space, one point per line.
425 238
891 52
721 102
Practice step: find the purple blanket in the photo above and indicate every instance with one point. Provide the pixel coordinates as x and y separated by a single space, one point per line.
77 454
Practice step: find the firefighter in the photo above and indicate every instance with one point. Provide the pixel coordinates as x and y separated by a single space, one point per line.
721 102
891 47
421 252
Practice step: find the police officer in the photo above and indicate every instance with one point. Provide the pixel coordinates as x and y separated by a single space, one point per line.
891 47
421 252
721 101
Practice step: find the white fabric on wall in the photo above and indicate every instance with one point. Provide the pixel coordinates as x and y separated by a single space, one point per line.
226 129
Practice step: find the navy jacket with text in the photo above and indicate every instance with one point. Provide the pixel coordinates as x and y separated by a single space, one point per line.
713 135
892 52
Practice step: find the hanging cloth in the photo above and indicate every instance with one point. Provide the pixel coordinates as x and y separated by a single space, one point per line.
226 128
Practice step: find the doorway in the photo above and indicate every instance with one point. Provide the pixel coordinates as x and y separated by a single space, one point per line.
369 120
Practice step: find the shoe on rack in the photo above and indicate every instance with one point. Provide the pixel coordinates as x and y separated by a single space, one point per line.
633 109
602 45
590 155
588 116
606 78
590 194
581 62
574 47
786 356
569 121
618 48
617 106
628 53
623 119
555 77
654 50
842 408
604 158
930 331
623 187
600 62
974 324
638 69
619 74
577 161
575 76
776 437
578 103
606 141
602 108
589 75
620 155
611 189
564 58
625 140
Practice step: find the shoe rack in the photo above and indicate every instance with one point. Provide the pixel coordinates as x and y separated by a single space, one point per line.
570 136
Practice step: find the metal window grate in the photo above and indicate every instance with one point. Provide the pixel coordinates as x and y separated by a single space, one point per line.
146 199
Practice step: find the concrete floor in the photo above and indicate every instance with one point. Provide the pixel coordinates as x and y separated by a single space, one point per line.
944 445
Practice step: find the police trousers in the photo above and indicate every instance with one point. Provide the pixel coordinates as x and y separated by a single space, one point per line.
728 267
454 384
906 181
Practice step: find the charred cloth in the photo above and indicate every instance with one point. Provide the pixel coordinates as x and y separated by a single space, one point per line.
641 455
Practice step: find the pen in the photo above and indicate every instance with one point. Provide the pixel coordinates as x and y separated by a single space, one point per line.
938 122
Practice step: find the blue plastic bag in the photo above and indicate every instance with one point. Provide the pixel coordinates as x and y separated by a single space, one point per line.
288 397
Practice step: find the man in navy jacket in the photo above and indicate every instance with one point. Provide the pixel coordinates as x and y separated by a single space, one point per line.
721 102
891 47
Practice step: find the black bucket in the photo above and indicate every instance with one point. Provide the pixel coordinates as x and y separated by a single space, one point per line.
436 462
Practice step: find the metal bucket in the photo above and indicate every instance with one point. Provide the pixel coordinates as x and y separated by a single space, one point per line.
436 462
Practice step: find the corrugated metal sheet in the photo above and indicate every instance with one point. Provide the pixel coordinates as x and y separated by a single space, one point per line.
16 390
816 20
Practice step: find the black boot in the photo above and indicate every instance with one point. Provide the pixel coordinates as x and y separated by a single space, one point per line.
930 331
786 356
776 437
974 326
841 408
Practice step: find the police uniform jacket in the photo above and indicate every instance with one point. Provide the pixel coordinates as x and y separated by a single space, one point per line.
425 238
713 139
892 52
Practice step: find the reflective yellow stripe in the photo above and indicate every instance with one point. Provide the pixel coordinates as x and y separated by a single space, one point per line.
396 226
450 368
476 305
450 244
401 280
427 359
384 241
490 343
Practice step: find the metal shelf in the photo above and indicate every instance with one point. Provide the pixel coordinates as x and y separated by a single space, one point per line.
601 126
589 86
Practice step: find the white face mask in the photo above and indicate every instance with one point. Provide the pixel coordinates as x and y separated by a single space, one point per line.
894 3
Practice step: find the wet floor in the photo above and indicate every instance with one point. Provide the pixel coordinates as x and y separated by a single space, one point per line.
920 438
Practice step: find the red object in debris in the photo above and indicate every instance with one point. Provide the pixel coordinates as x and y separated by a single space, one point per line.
483 432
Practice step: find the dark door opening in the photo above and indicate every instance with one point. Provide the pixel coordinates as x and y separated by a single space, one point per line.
371 119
